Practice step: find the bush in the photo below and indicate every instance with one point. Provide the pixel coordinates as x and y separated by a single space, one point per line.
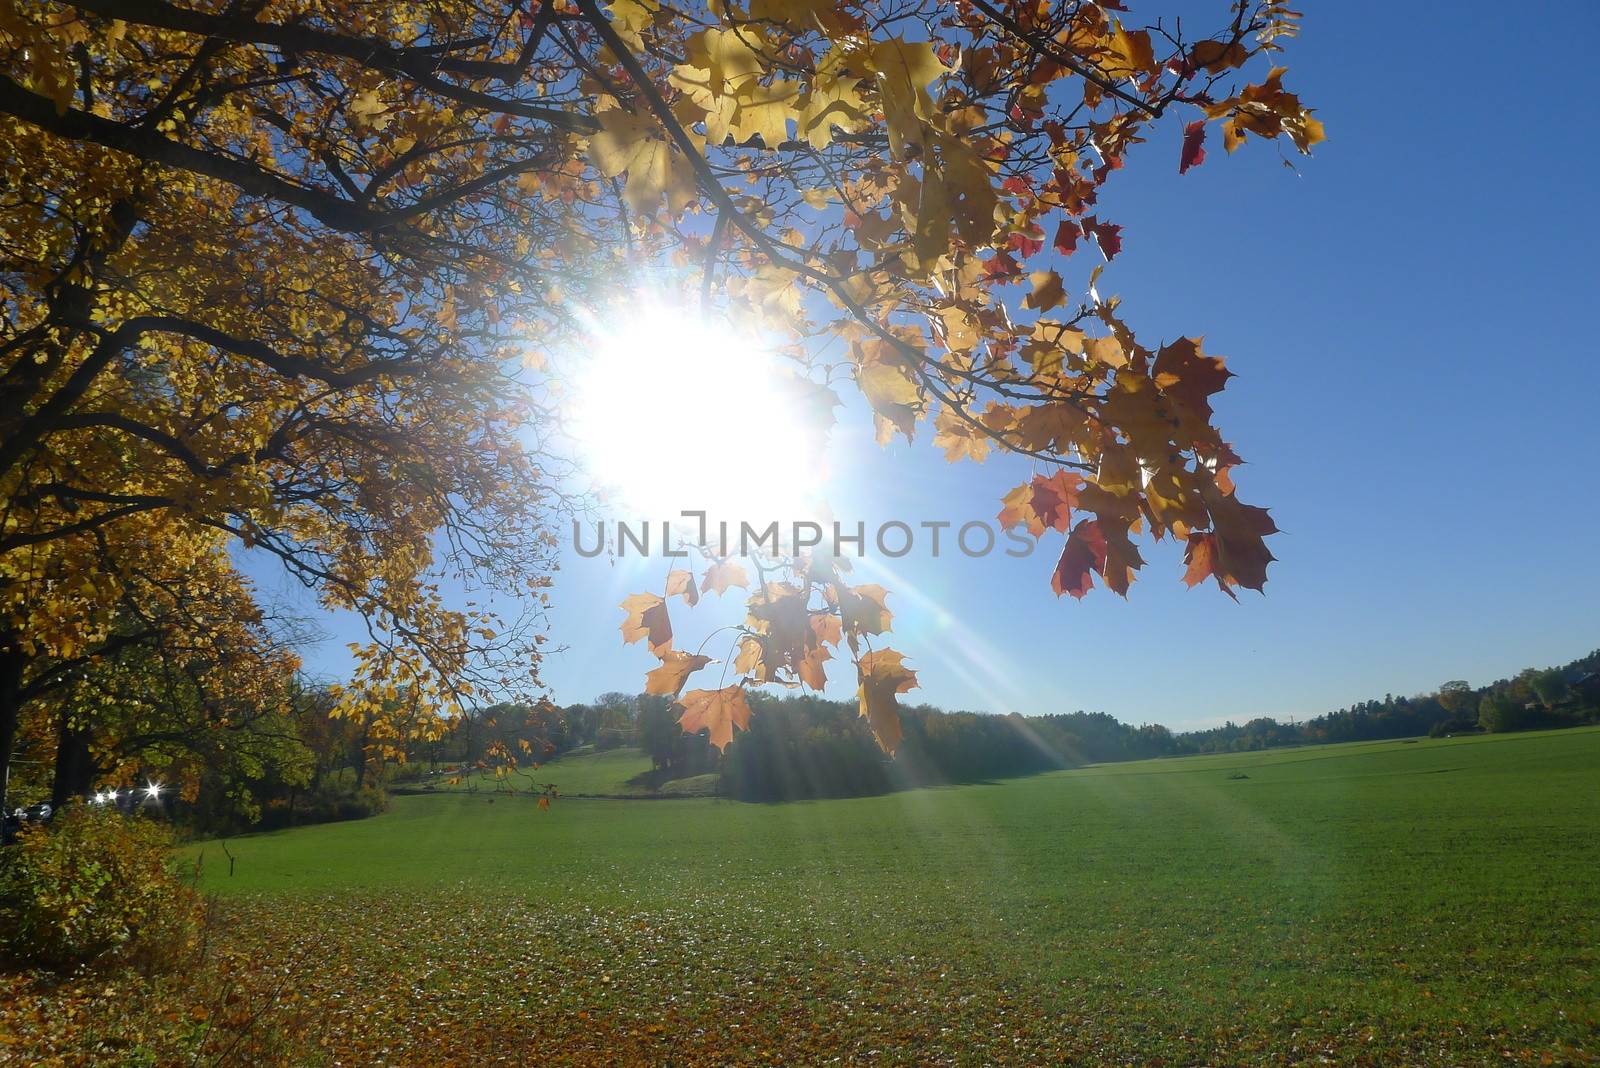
95 886
367 801
336 799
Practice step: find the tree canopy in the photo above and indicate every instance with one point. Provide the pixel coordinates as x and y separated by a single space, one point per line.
285 277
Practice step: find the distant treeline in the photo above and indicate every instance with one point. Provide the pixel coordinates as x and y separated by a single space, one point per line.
315 766
805 746
801 746
1565 696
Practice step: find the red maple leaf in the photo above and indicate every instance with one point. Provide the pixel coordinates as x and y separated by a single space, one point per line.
1027 244
1084 555
1067 234
1107 235
1001 266
1194 139
1186 373
1053 498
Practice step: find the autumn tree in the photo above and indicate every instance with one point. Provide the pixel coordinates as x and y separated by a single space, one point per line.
190 667
277 276
183 655
1457 697
213 338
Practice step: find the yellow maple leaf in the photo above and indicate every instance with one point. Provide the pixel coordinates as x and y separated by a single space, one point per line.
1106 350
634 144
749 661
958 438
366 112
764 111
630 17
831 102
647 618
719 62
1130 54
905 70
888 386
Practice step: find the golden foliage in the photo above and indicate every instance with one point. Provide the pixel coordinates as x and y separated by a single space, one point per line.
270 276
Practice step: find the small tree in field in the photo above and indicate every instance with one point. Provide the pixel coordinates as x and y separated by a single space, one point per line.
659 735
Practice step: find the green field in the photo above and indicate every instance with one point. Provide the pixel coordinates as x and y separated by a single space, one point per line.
1427 902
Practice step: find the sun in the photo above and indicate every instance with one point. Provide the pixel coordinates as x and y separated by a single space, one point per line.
675 411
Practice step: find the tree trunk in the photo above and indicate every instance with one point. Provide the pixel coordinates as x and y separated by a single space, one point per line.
75 769
11 661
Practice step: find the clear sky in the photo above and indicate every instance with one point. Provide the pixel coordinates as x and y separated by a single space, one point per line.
1418 399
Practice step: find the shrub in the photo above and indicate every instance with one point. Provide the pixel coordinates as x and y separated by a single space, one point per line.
95 886
333 800
367 801
345 801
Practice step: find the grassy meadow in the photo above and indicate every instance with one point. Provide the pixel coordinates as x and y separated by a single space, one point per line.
1427 902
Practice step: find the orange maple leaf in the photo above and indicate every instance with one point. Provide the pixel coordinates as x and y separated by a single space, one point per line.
675 669
717 712
810 667
1241 553
882 675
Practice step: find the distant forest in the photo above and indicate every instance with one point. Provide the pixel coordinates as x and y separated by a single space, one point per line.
804 746
314 765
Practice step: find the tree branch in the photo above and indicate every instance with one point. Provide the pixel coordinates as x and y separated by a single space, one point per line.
419 63
1056 55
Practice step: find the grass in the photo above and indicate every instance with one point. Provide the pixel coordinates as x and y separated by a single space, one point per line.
1435 900
1431 902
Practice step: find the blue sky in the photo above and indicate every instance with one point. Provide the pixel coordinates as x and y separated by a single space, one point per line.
1418 399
